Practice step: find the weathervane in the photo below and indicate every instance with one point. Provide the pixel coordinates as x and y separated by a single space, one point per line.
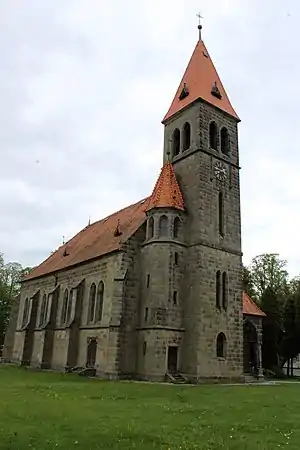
199 25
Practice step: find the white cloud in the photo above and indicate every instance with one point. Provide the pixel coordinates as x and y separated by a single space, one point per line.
84 86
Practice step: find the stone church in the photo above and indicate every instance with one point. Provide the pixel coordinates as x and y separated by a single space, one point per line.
154 291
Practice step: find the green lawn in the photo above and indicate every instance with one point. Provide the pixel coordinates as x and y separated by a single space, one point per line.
56 411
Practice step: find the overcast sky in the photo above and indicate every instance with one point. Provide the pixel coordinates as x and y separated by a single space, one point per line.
85 84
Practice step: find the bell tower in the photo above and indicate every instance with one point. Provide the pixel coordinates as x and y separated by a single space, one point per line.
201 133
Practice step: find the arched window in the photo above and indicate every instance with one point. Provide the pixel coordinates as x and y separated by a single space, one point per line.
25 312
64 310
176 227
48 306
175 297
221 345
92 303
70 303
224 290
43 311
150 228
100 297
91 352
221 213
224 141
144 347
218 289
213 135
186 142
176 142
163 226
176 258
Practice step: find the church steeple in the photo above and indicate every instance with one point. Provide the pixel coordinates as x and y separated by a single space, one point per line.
200 81
166 193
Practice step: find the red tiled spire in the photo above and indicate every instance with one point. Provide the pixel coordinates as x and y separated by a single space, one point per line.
166 193
199 81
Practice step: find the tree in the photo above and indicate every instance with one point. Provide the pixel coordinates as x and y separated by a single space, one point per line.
10 278
290 345
272 328
269 271
248 285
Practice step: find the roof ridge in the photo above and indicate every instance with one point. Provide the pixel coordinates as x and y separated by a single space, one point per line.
94 241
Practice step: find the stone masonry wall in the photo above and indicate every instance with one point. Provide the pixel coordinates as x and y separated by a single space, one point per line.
203 321
131 302
160 313
208 251
101 270
195 172
153 352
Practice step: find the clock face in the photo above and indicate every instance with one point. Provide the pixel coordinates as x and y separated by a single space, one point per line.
220 171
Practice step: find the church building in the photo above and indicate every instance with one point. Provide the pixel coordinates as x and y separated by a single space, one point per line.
154 291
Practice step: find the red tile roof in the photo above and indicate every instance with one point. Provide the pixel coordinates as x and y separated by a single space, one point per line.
166 193
95 240
199 78
250 308
107 235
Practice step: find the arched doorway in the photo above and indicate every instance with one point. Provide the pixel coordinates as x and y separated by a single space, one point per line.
91 353
251 362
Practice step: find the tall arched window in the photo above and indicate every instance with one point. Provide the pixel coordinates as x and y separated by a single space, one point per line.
64 310
224 290
70 303
221 213
92 303
213 135
163 226
176 227
224 141
186 138
25 312
100 297
221 345
218 289
176 142
43 310
150 228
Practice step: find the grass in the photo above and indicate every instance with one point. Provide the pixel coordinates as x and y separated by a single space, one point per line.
57 411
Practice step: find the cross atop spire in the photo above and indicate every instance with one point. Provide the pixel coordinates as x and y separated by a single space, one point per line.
200 26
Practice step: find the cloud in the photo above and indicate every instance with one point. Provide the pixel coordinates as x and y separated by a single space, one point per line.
84 87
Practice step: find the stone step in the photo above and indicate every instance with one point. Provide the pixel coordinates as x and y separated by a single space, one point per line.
250 379
87 372
74 369
176 378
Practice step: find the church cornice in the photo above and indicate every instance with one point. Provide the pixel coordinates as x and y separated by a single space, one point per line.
210 152
216 247
161 327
